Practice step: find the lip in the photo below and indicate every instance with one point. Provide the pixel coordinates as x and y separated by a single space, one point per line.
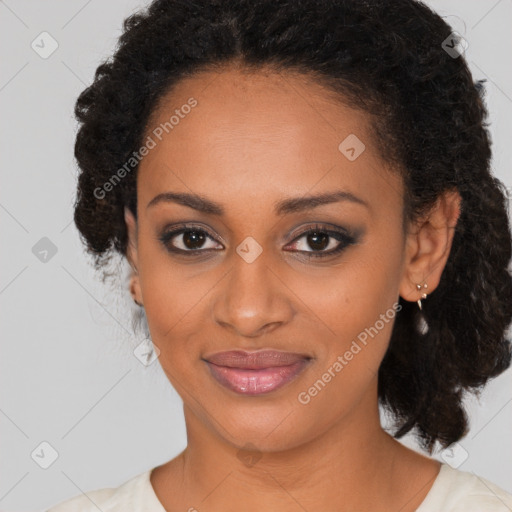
255 373
255 360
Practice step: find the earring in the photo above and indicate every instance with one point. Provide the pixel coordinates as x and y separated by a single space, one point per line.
423 295
422 325
138 303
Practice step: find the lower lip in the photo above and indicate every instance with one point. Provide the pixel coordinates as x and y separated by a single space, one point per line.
256 382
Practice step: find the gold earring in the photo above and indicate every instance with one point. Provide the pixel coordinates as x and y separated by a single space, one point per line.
423 295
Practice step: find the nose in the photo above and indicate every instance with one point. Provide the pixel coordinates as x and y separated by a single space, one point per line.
253 299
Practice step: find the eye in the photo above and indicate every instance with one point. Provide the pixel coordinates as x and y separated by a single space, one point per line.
194 240
320 238
187 239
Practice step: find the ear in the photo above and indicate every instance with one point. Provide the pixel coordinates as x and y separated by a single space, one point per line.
428 246
131 255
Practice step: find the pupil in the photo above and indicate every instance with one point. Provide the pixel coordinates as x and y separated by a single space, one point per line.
313 240
195 237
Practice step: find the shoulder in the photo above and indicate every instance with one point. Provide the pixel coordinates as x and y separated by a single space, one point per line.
133 495
462 491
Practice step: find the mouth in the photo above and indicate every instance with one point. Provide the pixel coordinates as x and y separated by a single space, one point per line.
256 373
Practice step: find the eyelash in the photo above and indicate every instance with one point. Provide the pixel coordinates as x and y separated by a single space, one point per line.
344 239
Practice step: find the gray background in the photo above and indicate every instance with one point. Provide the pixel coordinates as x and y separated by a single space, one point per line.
68 373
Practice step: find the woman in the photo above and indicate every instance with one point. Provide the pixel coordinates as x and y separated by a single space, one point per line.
302 190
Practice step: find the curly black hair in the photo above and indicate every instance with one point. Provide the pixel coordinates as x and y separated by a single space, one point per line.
389 59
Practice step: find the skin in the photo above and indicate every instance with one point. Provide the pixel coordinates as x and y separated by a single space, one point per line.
252 140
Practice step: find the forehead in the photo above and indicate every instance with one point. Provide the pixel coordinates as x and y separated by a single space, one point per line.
260 132
256 103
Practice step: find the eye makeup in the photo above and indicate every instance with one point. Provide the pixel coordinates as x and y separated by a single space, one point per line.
193 238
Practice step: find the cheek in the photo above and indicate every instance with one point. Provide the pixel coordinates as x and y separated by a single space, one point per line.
174 301
360 311
357 308
357 292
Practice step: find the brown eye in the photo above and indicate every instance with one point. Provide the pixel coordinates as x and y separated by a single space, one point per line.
187 239
323 241
193 239
318 240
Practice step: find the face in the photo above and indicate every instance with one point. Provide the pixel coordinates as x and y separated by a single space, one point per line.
259 266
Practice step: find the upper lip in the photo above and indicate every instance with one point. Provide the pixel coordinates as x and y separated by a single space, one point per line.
255 360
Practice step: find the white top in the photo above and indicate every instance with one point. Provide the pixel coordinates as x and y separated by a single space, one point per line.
453 491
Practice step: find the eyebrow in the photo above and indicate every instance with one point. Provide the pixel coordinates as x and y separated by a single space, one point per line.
283 207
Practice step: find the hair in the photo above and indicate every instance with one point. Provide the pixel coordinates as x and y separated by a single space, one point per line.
428 118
